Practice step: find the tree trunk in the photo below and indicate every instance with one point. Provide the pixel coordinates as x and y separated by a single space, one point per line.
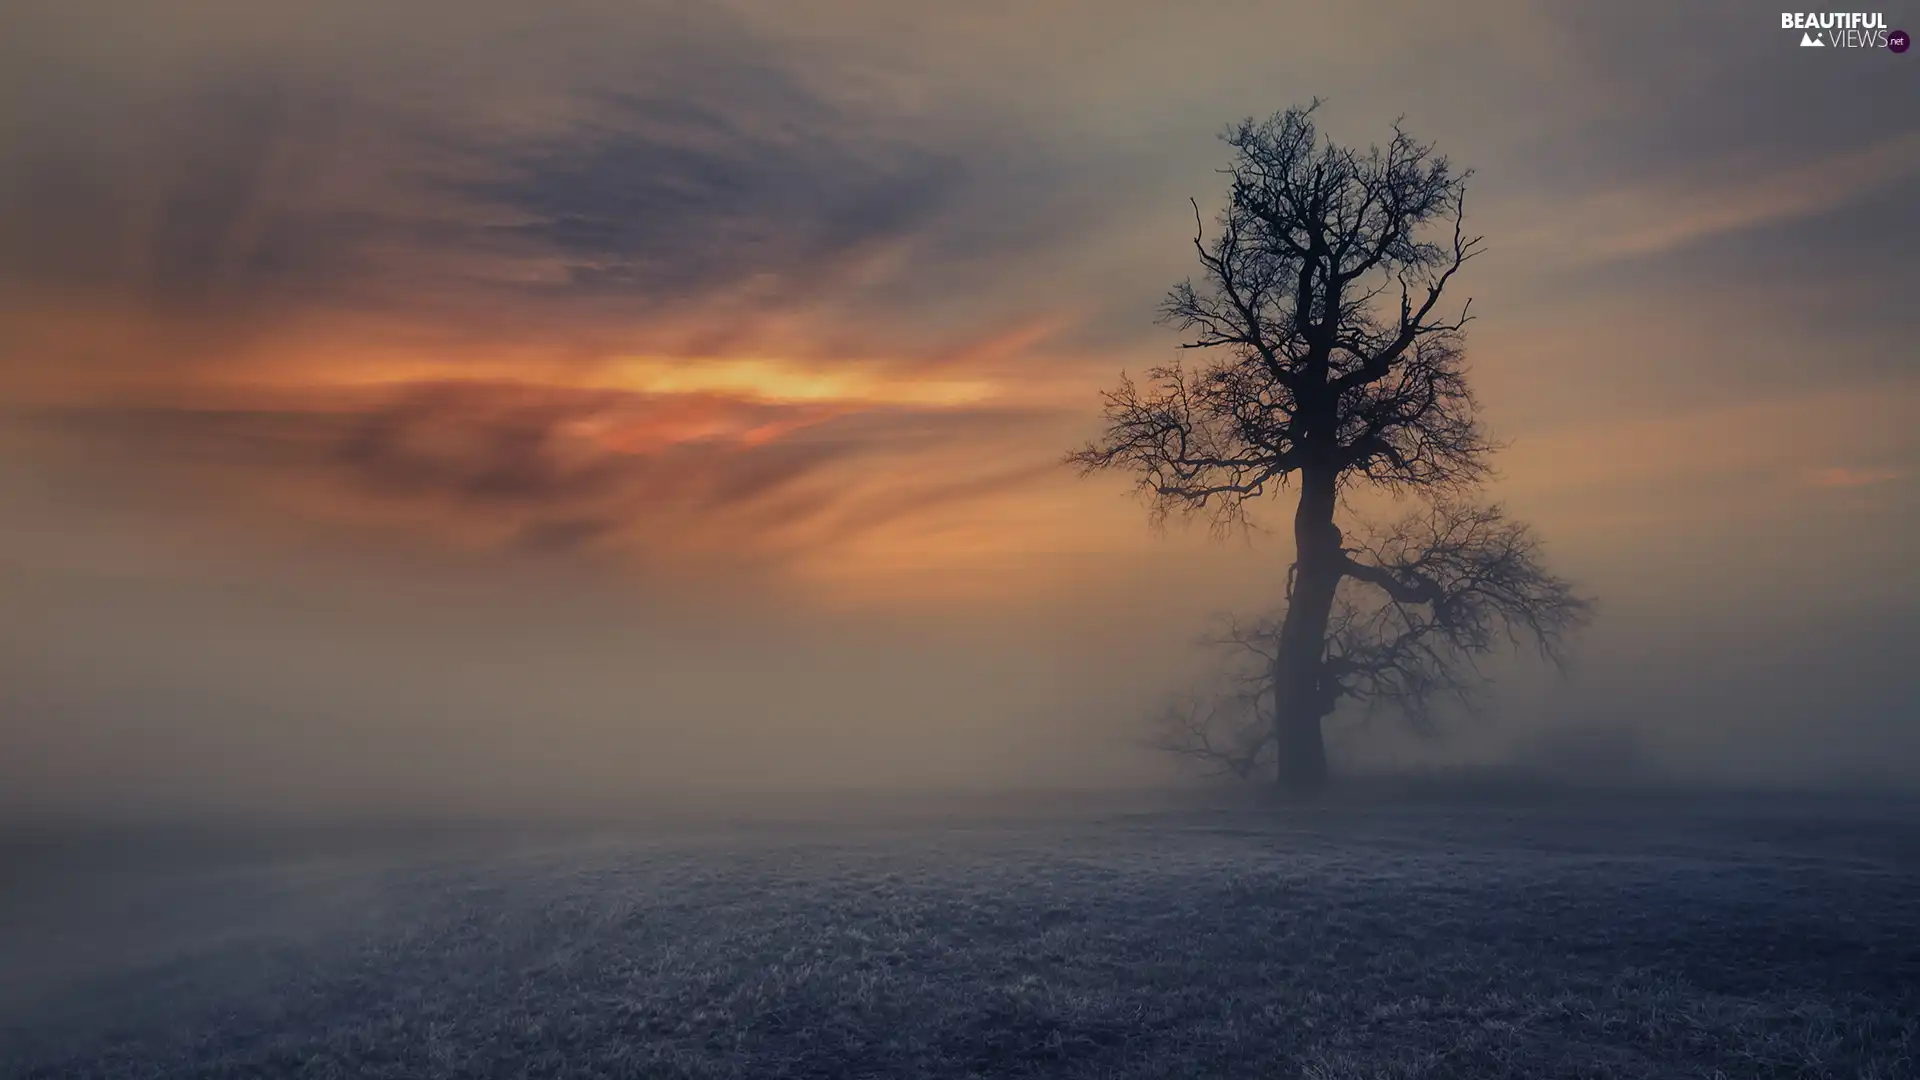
1297 710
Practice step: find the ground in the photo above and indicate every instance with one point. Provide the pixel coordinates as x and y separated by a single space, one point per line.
1521 936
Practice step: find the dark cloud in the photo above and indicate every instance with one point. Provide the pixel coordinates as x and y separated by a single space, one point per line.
487 444
669 199
479 444
714 167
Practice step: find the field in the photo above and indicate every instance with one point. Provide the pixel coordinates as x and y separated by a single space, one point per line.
1520 936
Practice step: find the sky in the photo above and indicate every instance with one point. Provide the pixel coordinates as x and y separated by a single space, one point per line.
439 404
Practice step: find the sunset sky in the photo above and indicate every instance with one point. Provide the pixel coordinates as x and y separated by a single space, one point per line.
415 399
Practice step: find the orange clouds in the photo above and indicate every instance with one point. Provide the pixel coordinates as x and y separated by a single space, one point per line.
774 381
684 481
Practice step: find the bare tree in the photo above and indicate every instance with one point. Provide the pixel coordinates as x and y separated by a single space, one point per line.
1215 731
1226 727
1329 362
1420 602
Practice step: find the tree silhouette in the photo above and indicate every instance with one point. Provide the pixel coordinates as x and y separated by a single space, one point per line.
1329 363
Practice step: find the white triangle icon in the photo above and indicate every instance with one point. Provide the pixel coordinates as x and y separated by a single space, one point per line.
1809 40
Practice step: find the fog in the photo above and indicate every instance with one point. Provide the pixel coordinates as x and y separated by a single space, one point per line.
142 675
137 679
394 696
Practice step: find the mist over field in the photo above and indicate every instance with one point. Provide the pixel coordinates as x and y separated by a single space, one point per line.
144 680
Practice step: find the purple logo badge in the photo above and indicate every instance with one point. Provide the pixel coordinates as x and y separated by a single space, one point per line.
1897 41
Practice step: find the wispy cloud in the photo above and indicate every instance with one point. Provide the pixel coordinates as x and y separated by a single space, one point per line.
644 478
1651 218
